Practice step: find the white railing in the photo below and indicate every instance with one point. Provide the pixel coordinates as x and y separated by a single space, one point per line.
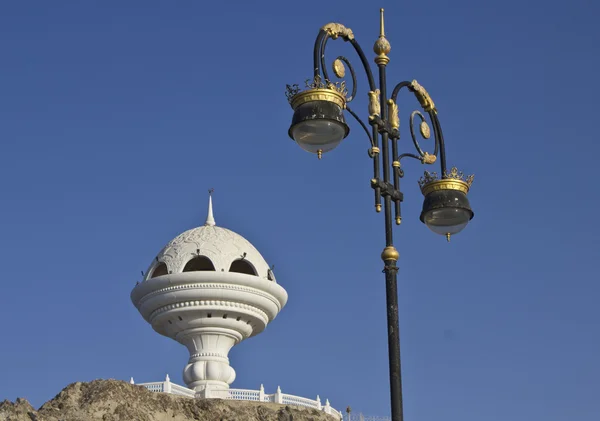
283 398
155 387
244 395
298 401
254 395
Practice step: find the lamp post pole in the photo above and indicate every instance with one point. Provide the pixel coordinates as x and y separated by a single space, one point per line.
389 255
319 125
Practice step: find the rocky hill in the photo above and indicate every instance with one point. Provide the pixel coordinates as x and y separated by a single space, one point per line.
113 400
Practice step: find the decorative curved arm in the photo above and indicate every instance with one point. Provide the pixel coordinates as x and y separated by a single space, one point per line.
335 30
382 112
363 125
340 71
428 105
425 132
397 89
440 139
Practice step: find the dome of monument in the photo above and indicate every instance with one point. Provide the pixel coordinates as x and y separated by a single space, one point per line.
209 248
209 289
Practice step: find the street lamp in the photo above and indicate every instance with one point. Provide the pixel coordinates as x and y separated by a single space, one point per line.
319 126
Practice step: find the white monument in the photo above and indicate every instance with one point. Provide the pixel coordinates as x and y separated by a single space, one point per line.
209 289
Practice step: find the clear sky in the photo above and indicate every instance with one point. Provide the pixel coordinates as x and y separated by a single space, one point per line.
116 117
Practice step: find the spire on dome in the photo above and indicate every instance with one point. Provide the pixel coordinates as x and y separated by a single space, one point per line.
210 219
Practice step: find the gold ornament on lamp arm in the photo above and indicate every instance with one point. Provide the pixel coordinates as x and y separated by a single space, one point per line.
423 96
424 128
338 68
393 114
374 105
338 30
429 159
382 46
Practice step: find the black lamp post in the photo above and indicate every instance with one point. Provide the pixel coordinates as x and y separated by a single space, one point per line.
318 126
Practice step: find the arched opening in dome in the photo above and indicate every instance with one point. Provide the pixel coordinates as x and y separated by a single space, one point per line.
242 266
200 263
160 270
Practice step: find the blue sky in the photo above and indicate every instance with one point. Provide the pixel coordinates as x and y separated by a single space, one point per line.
116 117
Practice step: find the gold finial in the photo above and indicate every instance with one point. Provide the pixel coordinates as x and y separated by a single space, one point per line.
378 207
382 47
320 153
448 236
398 220
390 253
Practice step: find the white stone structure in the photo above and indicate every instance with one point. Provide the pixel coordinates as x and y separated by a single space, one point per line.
249 395
209 289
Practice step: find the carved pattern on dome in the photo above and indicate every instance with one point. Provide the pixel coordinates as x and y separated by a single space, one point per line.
211 286
218 244
210 303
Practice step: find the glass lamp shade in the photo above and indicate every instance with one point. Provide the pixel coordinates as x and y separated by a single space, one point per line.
315 135
447 220
318 125
446 211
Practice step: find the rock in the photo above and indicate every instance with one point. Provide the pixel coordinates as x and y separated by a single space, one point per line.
113 400
17 411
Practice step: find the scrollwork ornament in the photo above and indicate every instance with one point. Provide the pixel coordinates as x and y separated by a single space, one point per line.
318 83
454 173
338 68
400 172
424 129
315 83
291 91
459 175
427 178
340 87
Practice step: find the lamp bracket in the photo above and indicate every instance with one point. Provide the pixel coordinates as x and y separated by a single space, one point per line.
387 189
384 126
